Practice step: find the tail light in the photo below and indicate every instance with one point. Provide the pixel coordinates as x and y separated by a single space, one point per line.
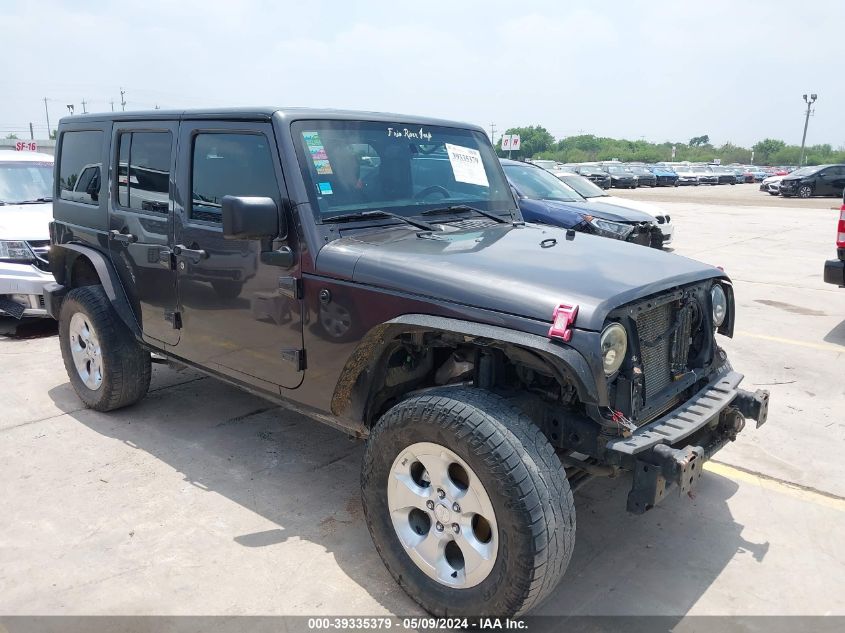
840 229
563 318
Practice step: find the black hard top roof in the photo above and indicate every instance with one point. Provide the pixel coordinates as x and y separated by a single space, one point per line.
263 113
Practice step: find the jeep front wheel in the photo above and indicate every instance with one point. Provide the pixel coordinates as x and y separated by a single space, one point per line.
106 366
467 504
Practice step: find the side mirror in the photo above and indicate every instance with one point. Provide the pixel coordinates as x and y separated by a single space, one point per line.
251 218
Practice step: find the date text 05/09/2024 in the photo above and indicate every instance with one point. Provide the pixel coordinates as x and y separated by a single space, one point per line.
415 624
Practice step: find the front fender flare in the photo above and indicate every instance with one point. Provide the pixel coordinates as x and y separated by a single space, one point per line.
353 387
62 257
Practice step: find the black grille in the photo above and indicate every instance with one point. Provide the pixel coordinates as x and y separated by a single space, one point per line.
664 334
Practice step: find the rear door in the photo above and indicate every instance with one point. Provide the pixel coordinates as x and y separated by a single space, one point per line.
240 316
140 223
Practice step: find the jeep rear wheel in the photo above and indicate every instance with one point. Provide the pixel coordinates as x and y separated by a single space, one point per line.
106 366
467 503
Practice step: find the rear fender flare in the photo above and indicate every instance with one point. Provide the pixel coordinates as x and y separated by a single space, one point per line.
353 389
62 259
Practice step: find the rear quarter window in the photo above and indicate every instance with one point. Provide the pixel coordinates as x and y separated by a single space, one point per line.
80 168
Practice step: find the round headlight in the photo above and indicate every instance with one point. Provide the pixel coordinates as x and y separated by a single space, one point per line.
720 304
614 344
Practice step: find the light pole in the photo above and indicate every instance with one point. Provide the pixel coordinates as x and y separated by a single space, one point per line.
809 103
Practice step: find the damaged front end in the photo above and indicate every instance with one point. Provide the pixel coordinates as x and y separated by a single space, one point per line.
676 401
671 450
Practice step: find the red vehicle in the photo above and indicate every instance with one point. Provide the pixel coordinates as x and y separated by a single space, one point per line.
834 269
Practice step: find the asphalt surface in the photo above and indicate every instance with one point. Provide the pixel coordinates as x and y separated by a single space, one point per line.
203 499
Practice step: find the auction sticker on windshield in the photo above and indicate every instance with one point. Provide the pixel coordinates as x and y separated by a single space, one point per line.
466 165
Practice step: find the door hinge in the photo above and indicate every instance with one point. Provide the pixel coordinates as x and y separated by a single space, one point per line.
290 287
295 357
174 318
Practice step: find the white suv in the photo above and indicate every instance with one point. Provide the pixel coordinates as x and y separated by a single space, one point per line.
26 190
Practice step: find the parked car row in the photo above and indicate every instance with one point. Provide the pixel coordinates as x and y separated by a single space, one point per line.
632 175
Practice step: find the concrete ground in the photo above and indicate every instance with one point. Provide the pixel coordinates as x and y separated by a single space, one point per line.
205 500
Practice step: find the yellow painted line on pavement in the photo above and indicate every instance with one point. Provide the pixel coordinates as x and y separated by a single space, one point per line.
827 347
790 490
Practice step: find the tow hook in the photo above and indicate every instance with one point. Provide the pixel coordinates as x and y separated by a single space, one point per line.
731 422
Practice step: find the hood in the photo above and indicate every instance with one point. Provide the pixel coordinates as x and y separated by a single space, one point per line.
597 208
771 179
476 267
646 209
25 221
609 210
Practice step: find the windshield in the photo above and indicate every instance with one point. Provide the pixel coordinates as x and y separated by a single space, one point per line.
804 171
24 182
617 169
539 184
582 186
352 166
640 170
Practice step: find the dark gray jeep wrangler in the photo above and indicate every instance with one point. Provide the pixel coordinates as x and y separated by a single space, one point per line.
373 272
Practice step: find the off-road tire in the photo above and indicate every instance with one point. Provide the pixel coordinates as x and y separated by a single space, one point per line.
126 365
520 472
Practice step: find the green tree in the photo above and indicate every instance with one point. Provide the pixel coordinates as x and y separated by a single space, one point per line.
534 140
12 136
764 149
698 141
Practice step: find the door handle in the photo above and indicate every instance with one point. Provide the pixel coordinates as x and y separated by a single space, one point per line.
193 255
123 238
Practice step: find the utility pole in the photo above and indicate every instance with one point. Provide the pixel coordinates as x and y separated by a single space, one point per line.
493 134
47 112
31 133
122 100
84 111
112 105
809 103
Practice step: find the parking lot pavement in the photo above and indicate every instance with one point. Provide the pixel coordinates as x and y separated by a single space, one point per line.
203 499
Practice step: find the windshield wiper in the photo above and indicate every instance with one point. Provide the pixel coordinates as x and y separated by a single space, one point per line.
364 215
464 208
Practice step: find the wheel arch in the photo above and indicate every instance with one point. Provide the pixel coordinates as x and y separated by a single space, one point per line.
74 264
354 397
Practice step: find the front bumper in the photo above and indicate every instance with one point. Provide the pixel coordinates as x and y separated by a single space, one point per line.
623 182
668 231
672 450
834 272
21 290
687 180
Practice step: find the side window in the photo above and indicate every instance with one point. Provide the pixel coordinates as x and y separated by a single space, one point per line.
229 165
79 166
143 171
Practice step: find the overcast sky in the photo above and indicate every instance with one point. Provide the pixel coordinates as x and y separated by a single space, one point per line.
658 70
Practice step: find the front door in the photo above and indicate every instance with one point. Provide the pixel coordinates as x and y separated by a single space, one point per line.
239 315
831 181
140 223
